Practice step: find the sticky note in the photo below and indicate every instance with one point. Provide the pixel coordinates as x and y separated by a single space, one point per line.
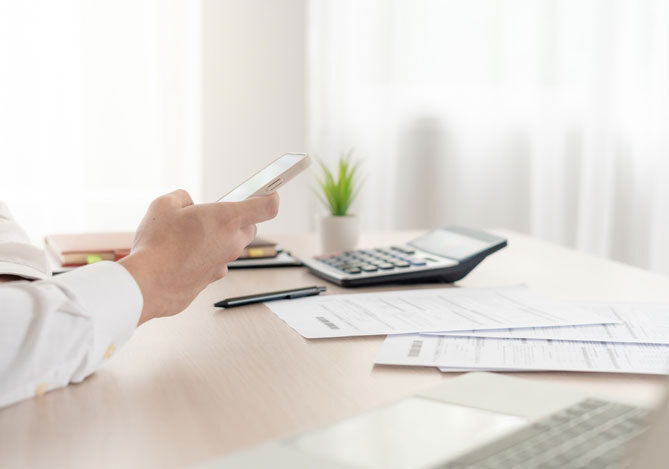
256 252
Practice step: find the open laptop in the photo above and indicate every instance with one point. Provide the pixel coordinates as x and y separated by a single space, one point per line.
478 420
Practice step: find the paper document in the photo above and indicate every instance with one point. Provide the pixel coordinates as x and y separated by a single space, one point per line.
429 310
523 354
640 323
459 369
446 369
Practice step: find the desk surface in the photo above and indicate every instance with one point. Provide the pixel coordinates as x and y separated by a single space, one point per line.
195 386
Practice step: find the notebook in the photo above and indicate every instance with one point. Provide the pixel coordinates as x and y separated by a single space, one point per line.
73 249
259 248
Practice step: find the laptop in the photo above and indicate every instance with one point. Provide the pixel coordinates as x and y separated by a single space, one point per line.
478 420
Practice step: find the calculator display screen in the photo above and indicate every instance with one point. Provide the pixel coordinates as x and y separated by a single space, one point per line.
449 244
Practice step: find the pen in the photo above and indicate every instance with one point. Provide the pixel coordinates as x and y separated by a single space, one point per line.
270 296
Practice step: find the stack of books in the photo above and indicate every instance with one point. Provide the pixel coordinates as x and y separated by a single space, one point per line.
66 251
264 253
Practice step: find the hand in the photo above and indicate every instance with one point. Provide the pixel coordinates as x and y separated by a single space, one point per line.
180 248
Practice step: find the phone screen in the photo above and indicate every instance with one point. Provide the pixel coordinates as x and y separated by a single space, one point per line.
261 178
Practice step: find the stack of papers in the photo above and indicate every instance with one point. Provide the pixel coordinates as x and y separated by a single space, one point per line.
476 353
508 328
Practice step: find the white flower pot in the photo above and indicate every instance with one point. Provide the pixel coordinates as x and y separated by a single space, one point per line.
339 233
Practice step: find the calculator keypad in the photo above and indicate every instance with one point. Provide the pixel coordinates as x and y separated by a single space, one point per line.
395 258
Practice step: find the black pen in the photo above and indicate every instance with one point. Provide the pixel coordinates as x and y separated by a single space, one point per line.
270 296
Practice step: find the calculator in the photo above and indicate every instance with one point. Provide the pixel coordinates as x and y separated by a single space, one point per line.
443 255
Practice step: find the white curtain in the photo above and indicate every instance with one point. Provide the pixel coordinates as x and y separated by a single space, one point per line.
547 117
99 109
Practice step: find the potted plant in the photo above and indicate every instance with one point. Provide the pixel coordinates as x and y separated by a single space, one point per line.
339 230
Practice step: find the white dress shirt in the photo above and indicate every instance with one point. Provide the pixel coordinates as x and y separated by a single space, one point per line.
57 330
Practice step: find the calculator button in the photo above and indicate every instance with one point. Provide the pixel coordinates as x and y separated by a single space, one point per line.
400 263
417 261
369 268
352 270
385 266
403 249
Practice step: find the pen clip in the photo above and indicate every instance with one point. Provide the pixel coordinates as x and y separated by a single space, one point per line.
305 292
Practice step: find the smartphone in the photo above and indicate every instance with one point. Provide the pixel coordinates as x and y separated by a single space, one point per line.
270 178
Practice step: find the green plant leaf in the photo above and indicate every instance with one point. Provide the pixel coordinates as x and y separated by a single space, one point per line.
339 192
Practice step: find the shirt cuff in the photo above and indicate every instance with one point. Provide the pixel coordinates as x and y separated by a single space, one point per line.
110 297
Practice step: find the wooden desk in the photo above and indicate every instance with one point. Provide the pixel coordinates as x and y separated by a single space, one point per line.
208 381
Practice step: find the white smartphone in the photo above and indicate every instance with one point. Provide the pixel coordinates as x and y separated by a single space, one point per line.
270 178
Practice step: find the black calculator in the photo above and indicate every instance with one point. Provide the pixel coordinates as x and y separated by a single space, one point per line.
443 255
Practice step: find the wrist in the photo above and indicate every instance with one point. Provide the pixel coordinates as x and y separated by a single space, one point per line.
139 267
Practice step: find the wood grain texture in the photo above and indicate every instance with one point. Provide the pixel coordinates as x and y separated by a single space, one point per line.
208 381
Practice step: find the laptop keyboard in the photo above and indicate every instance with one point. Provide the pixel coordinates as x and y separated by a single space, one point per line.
592 434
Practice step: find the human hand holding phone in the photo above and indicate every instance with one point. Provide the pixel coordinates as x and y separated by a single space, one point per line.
180 247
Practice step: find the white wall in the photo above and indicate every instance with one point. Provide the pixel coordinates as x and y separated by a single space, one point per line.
141 106
253 98
100 110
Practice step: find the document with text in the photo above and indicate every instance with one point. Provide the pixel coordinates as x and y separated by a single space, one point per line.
450 353
427 310
640 323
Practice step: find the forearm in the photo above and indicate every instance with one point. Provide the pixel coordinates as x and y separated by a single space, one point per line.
59 331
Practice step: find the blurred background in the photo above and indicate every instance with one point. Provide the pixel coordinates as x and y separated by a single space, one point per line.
549 117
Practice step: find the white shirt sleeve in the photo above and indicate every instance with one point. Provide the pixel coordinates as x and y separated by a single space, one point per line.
17 255
57 330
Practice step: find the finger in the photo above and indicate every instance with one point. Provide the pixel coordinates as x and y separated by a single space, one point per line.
240 239
247 212
249 233
221 272
179 198
256 209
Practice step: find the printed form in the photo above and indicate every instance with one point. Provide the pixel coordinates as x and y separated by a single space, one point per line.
460 353
429 310
640 323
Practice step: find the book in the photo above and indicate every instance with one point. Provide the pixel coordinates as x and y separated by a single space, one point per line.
74 249
259 248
